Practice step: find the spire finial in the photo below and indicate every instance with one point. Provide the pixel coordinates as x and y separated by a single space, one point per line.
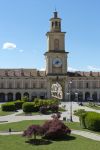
55 13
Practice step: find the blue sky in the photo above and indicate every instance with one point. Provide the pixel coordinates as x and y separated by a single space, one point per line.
24 23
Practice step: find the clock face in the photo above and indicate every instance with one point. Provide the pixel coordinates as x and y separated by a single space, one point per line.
57 62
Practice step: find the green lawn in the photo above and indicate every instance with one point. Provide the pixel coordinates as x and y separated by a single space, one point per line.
19 126
93 106
4 113
22 125
17 142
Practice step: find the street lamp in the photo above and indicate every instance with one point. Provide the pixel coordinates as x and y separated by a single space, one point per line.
69 97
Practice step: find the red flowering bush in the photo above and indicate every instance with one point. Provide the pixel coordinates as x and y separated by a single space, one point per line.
55 129
33 130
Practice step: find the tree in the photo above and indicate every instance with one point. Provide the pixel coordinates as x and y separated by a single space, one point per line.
52 129
55 128
33 130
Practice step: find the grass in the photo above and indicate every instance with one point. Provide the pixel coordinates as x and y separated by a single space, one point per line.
22 125
75 142
4 113
93 106
19 126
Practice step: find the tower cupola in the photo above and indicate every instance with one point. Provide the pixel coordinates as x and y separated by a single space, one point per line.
55 23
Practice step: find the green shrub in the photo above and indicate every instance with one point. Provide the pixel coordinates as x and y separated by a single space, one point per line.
45 102
18 104
29 107
25 99
92 121
10 106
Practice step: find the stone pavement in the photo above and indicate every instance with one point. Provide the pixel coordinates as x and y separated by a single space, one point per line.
86 134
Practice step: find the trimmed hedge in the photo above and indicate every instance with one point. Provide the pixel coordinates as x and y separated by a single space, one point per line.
29 107
90 120
46 102
18 104
10 106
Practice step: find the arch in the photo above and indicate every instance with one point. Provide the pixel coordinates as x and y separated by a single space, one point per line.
80 96
87 96
10 96
56 23
42 95
26 94
18 96
94 96
33 96
2 97
72 96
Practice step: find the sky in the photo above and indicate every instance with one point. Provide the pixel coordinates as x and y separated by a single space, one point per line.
23 27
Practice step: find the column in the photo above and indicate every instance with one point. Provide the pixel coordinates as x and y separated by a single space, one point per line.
14 96
83 95
98 95
6 97
48 89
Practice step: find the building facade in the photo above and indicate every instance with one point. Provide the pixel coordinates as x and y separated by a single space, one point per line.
16 83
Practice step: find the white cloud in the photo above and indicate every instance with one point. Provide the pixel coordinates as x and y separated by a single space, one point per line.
72 69
93 68
8 45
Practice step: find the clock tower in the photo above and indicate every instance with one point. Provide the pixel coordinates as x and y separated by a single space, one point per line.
56 56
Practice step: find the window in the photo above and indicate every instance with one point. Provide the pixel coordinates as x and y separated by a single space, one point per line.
80 85
56 44
10 85
87 85
26 85
52 24
1 85
42 85
34 85
56 23
18 85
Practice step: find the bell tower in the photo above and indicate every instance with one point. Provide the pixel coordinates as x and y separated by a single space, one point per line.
56 57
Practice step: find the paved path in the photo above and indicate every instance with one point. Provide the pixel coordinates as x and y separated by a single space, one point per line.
85 134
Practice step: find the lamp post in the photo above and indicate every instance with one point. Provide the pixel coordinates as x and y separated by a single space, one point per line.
69 96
